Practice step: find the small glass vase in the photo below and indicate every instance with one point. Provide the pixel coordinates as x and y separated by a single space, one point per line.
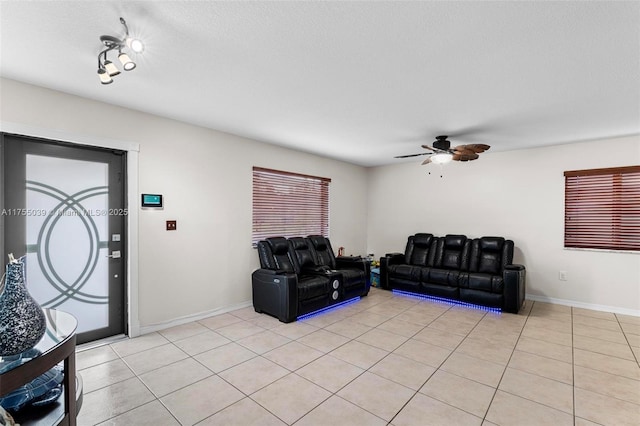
22 320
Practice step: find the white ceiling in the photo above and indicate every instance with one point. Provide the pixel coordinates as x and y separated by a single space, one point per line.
357 81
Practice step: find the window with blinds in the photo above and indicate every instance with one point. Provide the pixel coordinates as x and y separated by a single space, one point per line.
602 208
289 204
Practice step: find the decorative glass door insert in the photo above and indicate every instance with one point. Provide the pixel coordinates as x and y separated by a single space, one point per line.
67 237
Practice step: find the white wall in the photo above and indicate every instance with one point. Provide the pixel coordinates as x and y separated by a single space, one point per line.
206 179
518 195
205 176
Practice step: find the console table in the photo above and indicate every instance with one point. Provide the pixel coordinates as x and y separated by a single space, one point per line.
57 345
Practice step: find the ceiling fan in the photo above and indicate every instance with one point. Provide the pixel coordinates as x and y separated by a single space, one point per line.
441 151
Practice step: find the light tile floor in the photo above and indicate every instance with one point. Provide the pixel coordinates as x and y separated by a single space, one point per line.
386 359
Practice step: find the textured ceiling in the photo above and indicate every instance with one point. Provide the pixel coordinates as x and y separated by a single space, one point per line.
357 81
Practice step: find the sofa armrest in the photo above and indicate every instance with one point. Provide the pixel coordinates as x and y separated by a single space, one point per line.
352 262
386 261
315 270
514 288
395 255
348 258
275 293
272 272
514 267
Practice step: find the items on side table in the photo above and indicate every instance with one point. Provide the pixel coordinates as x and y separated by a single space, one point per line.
6 419
477 271
33 397
22 321
39 392
22 326
375 277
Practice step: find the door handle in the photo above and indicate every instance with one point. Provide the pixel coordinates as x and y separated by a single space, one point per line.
114 254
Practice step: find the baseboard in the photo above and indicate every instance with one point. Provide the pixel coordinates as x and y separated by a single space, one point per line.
592 306
146 329
102 342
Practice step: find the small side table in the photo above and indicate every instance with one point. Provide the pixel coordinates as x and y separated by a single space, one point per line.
375 277
57 345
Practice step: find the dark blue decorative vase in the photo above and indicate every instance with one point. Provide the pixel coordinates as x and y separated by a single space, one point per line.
22 321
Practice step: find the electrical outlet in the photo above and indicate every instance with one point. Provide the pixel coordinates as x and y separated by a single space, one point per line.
172 225
562 275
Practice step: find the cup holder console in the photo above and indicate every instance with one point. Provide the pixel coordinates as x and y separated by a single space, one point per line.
336 285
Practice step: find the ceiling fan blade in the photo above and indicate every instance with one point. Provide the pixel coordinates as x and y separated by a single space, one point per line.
475 147
428 147
465 157
412 155
427 161
463 151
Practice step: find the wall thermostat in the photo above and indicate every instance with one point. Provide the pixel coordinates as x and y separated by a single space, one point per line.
152 201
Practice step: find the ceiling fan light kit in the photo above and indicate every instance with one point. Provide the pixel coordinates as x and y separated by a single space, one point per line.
106 68
441 158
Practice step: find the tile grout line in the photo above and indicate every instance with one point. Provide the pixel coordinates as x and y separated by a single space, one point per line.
367 370
438 368
627 340
477 324
289 372
328 353
431 375
573 369
389 353
484 418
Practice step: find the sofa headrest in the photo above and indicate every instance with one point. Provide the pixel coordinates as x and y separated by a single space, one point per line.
422 240
278 245
318 241
491 243
299 243
454 241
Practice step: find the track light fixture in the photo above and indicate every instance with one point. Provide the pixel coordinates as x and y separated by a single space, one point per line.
106 68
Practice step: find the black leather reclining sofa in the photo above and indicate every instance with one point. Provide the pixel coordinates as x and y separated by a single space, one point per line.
301 275
477 271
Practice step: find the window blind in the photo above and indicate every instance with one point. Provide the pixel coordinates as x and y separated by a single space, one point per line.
289 204
602 208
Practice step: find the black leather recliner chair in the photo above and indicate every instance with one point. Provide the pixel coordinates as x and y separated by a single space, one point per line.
355 271
292 281
405 271
493 279
451 257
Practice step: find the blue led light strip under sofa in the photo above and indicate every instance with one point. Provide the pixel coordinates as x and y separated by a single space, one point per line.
329 308
446 301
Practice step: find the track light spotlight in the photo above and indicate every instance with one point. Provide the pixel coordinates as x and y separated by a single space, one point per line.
111 68
135 44
104 76
126 62
106 68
